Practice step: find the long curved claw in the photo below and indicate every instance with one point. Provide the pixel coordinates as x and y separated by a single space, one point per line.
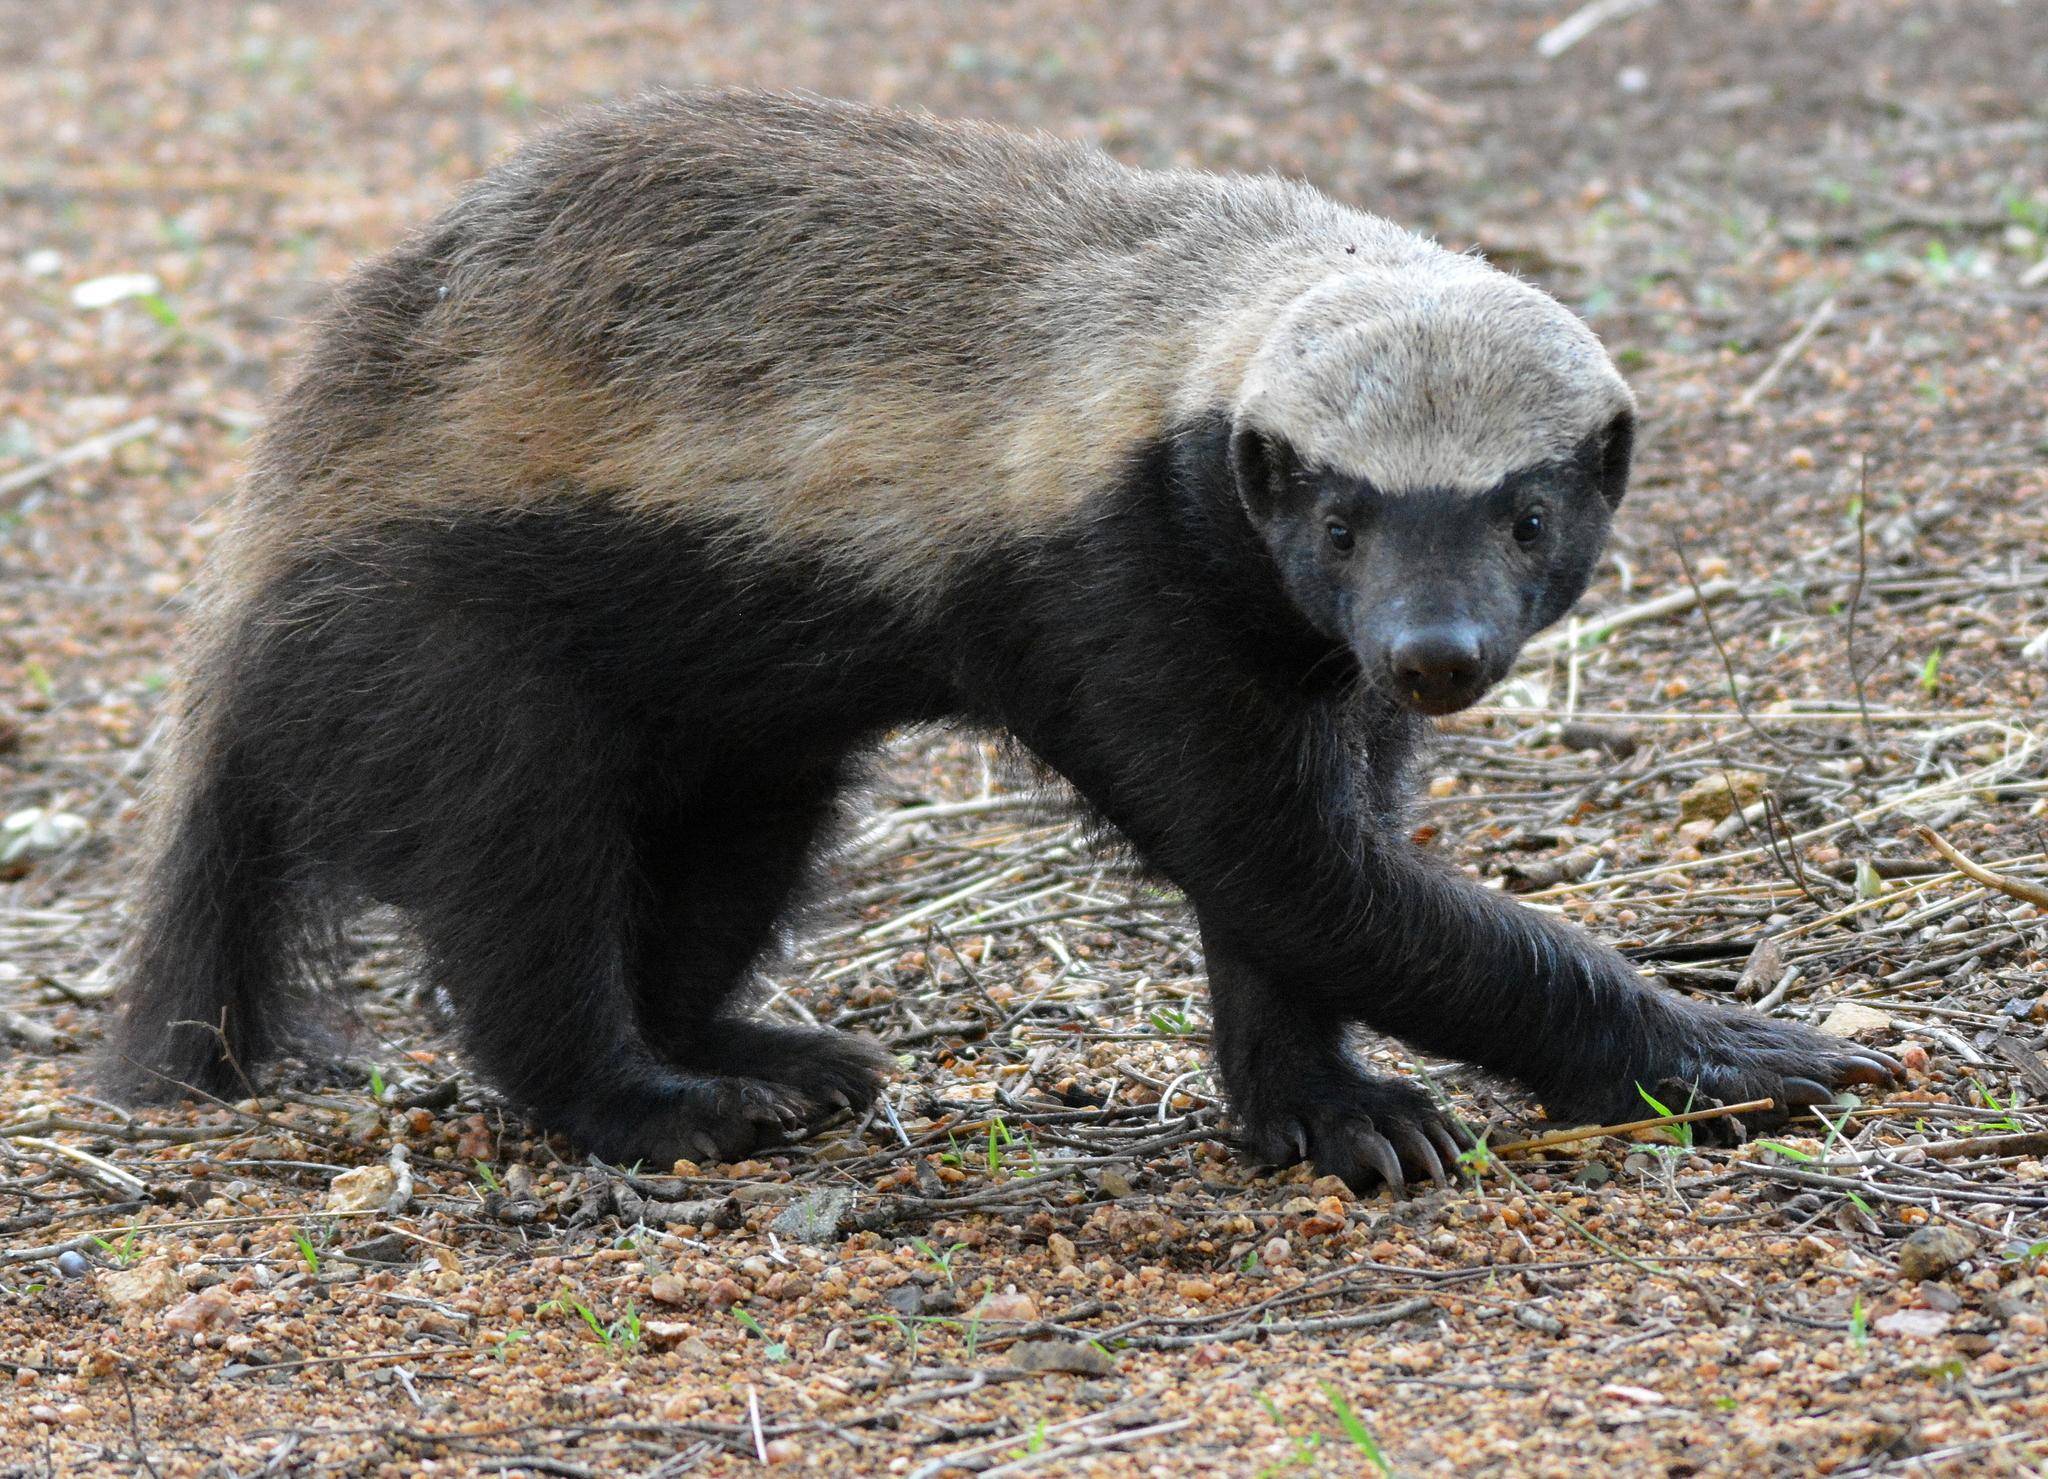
703 1147
1446 1139
1803 1092
1451 1137
1869 1066
1417 1152
1378 1152
1300 1142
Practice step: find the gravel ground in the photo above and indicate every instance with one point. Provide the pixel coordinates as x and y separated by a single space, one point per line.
1813 233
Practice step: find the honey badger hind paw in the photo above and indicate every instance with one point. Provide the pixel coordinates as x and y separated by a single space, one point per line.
827 1071
1364 1129
697 1118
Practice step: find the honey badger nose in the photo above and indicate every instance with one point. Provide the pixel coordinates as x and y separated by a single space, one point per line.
1439 667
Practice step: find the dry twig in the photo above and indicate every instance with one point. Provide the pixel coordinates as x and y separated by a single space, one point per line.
2026 893
1595 1132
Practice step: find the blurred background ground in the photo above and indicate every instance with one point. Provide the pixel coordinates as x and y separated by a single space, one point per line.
1813 233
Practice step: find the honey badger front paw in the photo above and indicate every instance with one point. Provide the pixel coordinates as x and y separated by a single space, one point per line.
1707 1055
1354 1125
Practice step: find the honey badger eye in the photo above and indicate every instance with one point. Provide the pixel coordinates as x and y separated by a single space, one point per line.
1529 527
1340 536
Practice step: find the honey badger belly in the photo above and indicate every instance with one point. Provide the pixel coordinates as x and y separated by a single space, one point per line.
619 511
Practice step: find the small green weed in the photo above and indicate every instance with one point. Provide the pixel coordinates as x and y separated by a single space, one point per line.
120 1254
943 1262
1355 1429
775 1350
1679 1135
621 1337
2011 1124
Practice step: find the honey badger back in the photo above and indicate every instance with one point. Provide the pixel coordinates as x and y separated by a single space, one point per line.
619 510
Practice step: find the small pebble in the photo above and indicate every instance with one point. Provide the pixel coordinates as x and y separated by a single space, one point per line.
1932 1252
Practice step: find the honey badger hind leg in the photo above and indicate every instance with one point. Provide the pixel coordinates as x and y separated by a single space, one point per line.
437 763
721 877
534 909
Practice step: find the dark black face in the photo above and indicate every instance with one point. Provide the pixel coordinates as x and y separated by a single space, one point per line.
1434 591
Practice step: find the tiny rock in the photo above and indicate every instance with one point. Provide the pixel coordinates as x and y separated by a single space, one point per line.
206 1310
1008 1305
1061 1355
1912 1324
1932 1252
365 1189
1854 1020
1720 794
149 1285
1277 1252
1060 1248
663 1335
1327 1218
816 1218
725 1294
668 1289
1641 1396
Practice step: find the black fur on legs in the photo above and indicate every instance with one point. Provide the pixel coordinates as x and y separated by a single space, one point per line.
587 754
721 875
544 739
1255 760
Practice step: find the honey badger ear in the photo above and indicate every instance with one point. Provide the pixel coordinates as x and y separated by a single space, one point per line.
1617 446
1263 467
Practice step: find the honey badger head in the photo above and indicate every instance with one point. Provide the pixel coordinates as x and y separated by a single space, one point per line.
1432 456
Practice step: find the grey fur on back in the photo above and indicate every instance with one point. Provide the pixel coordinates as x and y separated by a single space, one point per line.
889 337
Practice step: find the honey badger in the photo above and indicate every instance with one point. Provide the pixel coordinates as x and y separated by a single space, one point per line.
619 510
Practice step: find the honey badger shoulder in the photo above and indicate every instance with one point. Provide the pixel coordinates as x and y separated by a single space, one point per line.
615 514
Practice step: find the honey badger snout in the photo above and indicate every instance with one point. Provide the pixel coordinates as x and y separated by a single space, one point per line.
1438 664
